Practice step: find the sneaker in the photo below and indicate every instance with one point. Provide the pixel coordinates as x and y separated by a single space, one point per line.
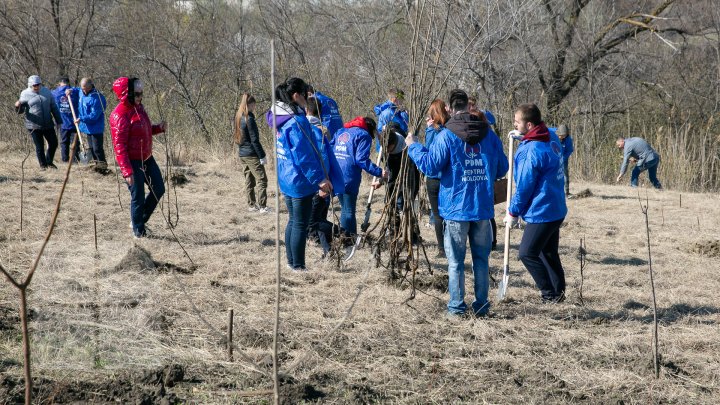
301 269
455 318
43 168
264 210
52 166
253 209
553 299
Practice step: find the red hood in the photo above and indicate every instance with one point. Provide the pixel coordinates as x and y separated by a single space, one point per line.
356 122
120 87
539 133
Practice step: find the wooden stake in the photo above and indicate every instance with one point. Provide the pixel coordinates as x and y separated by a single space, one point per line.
95 230
662 213
230 335
680 200
698 221
82 188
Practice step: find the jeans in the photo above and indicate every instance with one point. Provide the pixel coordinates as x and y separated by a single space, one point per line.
651 167
142 206
39 136
299 210
539 253
433 189
67 137
348 222
566 170
255 176
480 234
96 147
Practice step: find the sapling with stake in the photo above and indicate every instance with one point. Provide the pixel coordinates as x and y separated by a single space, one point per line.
656 355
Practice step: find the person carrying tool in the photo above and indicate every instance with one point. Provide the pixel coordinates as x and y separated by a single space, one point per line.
644 156
539 200
132 138
468 159
67 129
352 149
38 105
91 119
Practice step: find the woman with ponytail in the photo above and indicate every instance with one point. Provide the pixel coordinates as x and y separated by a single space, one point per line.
252 155
301 170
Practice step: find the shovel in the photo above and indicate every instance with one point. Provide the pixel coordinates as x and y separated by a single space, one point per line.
366 222
502 288
83 155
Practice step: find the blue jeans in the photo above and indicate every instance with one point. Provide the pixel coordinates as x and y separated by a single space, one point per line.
348 222
651 167
96 147
299 210
480 234
142 206
566 170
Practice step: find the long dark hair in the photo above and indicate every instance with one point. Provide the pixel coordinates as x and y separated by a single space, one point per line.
241 113
284 91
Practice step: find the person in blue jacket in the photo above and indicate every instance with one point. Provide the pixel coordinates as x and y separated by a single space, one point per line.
91 119
437 117
67 129
300 170
352 149
539 200
468 160
329 111
566 141
391 110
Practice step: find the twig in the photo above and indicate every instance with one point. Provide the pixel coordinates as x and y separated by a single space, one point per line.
656 355
582 252
22 183
230 335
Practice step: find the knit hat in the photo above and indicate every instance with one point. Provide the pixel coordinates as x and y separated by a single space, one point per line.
562 130
33 80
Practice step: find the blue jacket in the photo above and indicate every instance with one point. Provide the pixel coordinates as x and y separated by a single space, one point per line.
300 171
539 178
92 112
330 113
387 112
467 173
430 134
64 106
352 149
330 163
567 144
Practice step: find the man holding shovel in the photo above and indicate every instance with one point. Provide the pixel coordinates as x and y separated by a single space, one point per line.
468 159
91 119
539 200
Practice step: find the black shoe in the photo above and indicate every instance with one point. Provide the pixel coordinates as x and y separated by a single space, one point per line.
43 168
52 166
553 299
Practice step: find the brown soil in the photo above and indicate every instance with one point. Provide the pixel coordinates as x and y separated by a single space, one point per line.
709 248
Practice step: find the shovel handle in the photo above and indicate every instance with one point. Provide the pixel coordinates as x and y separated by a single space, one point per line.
77 128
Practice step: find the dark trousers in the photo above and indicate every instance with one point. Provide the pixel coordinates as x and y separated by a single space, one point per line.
412 183
320 229
67 137
39 136
299 210
433 189
255 175
141 205
539 254
96 147
566 170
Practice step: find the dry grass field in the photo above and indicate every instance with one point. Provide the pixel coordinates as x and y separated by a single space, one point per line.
113 326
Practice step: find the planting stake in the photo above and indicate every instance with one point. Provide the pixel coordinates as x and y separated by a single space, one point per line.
502 288
230 336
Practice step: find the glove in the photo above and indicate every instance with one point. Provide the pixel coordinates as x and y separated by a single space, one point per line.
515 134
510 221
263 161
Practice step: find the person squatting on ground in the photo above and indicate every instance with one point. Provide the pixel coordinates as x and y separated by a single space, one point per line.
644 156
566 141
540 200
436 119
132 138
68 132
251 154
352 149
300 167
391 110
38 105
329 113
320 230
468 159
91 119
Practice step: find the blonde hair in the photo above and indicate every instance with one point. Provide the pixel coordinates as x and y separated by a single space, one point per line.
242 112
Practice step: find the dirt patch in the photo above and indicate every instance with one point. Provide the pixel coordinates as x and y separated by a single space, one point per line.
709 248
178 179
583 194
137 259
295 392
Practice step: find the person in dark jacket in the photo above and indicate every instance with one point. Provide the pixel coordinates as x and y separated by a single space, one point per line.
40 109
252 155
540 200
468 160
352 149
68 132
91 119
301 171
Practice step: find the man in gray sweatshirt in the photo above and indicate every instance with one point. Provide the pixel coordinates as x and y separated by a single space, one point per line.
38 104
644 156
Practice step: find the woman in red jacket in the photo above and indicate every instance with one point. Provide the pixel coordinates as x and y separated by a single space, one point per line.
132 133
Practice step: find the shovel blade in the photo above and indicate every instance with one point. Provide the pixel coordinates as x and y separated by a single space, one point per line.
353 249
502 287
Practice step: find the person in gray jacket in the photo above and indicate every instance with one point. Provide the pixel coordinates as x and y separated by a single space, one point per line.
644 156
38 105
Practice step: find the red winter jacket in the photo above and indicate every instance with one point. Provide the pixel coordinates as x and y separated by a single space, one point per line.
131 130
